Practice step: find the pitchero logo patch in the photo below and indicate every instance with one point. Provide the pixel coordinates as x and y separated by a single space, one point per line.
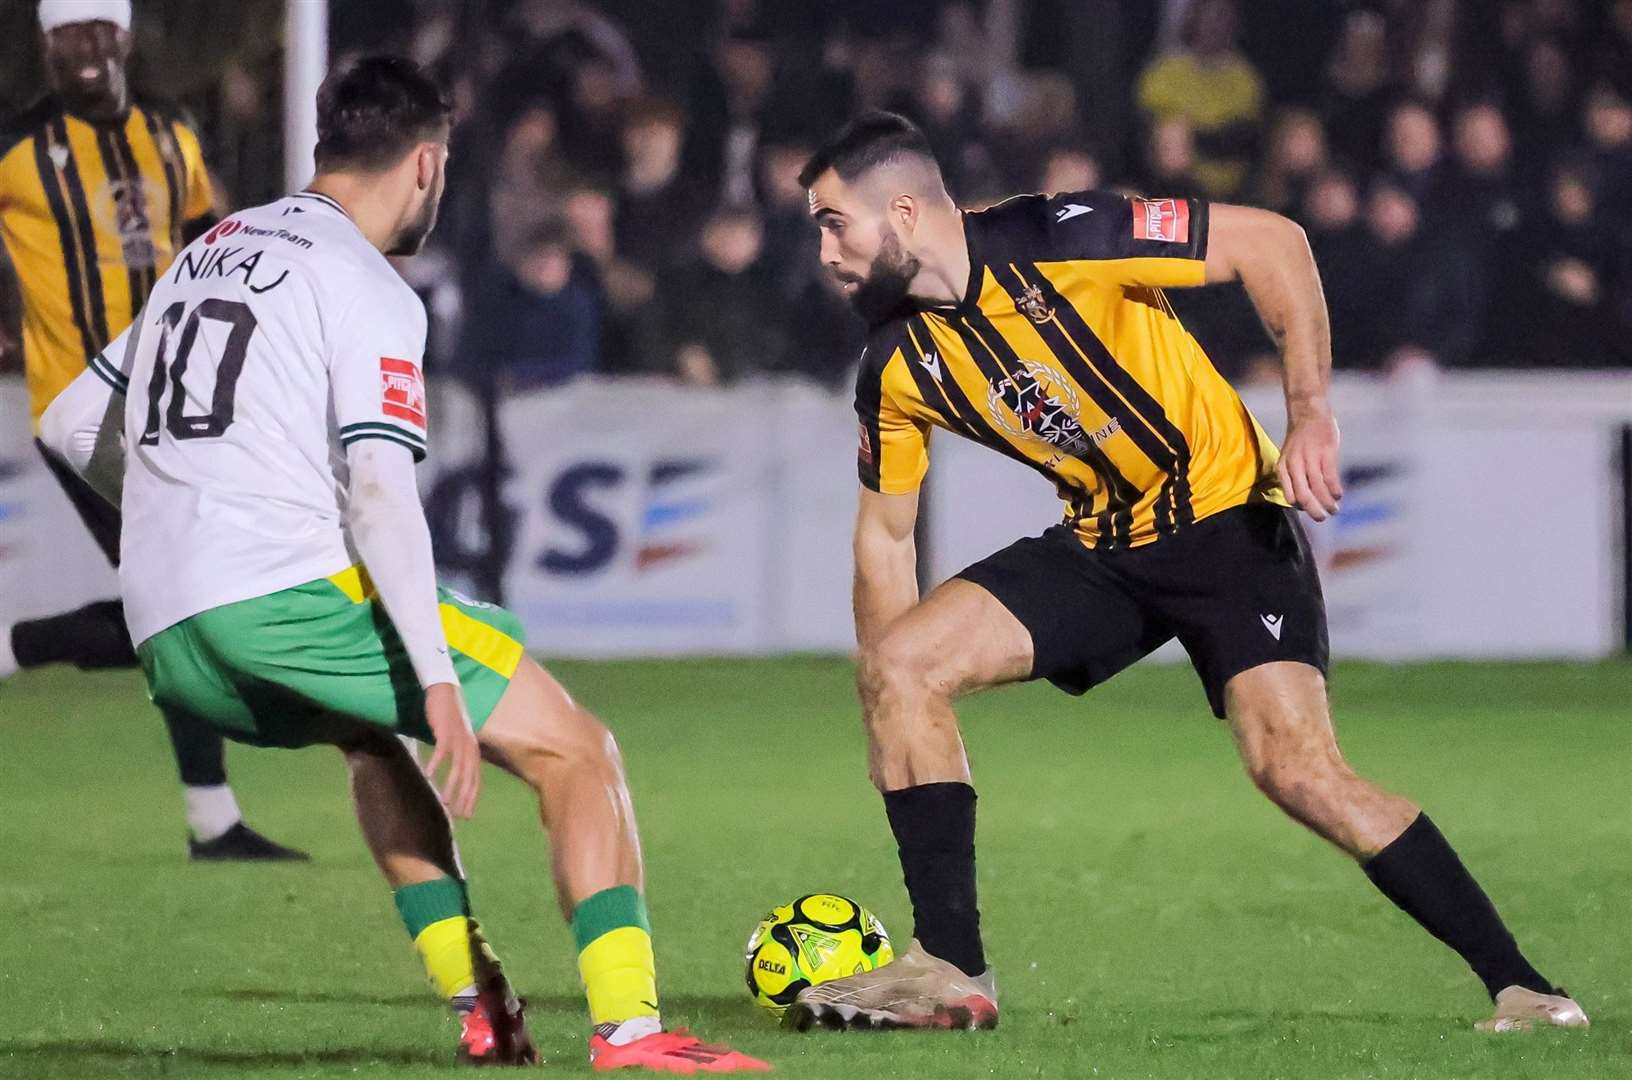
1167 220
402 390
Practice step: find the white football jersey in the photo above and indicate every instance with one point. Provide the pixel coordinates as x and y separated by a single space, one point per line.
271 344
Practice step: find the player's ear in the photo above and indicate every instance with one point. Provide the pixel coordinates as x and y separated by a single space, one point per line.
903 212
426 160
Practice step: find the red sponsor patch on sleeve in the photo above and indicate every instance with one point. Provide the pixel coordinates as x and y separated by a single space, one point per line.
1167 220
402 390
865 449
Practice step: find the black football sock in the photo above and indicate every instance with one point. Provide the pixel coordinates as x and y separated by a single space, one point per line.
1422 875
92 637
201 753
934 826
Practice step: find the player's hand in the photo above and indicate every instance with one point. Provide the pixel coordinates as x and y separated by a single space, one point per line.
456 745
1308 468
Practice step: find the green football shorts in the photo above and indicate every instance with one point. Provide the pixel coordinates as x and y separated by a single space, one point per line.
304 665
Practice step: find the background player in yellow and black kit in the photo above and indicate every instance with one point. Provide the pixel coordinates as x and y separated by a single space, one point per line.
1039 328
97 194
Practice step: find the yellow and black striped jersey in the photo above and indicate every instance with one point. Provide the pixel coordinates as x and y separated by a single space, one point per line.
1065 354
92 214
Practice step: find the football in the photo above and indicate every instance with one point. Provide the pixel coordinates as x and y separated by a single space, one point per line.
812 940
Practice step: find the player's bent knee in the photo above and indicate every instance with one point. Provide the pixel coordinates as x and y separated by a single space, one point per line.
1301 783
570 740
897 667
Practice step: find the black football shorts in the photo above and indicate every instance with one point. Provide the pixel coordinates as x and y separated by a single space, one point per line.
1238 589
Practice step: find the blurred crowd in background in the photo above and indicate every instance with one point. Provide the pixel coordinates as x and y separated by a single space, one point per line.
623 196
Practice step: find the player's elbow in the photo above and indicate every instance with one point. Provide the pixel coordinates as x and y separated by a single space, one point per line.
1245 239
54 429
1278 238
60 433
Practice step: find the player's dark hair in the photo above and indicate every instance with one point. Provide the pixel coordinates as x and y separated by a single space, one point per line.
370 112
870 140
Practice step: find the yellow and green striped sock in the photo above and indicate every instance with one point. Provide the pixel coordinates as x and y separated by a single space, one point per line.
437 915
614 941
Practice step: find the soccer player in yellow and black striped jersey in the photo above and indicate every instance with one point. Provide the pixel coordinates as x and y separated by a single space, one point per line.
1039 328
97 195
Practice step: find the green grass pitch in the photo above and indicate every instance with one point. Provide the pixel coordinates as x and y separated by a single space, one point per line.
1149 914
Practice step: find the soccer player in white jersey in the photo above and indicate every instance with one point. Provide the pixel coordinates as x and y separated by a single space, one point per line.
277 568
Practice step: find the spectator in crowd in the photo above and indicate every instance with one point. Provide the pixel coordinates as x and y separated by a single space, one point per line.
948 113
1482 195
1481 208
547 41
1170 161
1577 265
730 113
1547 117
725 321
537 324
1296 154
1438 151
1425 45
1609 141
658 205
1411 154
625 290
962 39
1614 53
1358 86
531 178
824 337
1070 168
790 241
592 132
1420 288
1021 144
1331 216
1215 90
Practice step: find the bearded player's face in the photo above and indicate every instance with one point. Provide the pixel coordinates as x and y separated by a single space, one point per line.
861 247
420 215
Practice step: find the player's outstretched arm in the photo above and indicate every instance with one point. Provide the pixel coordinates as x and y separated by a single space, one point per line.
388 526
83 426
886 562
1270 255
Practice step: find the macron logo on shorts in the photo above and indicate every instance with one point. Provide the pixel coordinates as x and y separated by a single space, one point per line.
402 391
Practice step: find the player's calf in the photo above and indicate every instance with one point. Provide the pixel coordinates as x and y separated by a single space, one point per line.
570 759
543 737
1279 715
1284 733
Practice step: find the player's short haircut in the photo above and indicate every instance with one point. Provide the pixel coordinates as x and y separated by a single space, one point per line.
372 111
870 140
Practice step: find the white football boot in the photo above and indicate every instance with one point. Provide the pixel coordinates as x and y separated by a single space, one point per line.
915 990
1518 1009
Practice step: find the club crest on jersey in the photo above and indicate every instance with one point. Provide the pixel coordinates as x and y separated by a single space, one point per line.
120 209
402 391
1038 403
1033 306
